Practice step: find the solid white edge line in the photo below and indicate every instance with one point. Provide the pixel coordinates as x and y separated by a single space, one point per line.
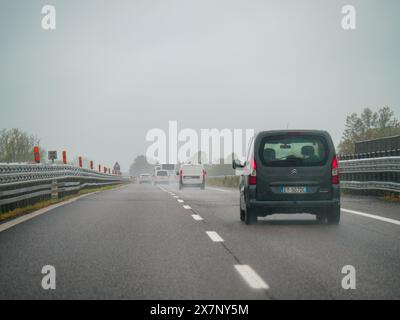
197 217
221 190
214 236
251 277
187 207
372 216
14 222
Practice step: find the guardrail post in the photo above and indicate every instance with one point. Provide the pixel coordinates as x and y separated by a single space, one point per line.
54 190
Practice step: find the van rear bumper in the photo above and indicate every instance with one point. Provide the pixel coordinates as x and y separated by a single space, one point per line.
313 206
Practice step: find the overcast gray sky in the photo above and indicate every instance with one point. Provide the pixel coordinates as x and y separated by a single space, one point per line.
112 70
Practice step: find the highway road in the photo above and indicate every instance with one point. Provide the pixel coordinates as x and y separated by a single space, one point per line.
156 242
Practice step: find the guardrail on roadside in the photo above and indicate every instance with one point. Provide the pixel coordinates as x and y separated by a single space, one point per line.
379 174
25 184
365 155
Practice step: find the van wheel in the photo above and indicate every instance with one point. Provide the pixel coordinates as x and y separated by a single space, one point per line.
333 215
250 216
242 212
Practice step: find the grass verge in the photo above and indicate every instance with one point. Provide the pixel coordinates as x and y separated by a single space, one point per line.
12 214
228 182
392 197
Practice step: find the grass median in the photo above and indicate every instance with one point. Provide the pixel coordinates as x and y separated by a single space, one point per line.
12 214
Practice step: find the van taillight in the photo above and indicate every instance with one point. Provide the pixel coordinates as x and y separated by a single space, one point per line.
335 170
253 172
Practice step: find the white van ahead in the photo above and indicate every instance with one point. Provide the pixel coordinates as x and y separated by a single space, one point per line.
192 175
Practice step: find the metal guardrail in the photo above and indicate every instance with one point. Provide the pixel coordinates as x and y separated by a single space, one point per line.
24 184
379 174
374 154
384 164
371 185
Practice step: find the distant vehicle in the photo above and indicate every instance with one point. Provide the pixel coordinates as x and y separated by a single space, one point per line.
157 168
192 175
171 169
290 172
161 176
144 178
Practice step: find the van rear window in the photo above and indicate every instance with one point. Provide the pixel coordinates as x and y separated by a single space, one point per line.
293 150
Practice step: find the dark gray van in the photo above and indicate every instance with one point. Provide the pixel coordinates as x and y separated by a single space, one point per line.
290 171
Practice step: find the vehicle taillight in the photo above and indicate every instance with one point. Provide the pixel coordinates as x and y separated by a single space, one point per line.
253 172
335 170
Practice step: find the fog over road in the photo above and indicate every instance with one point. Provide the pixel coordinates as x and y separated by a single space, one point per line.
156 242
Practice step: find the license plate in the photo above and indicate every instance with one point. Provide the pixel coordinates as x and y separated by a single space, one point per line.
294 190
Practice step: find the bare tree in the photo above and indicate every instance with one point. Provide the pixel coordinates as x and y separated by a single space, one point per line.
17 146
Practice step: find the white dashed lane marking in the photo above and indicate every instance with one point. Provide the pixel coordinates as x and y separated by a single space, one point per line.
251 277
246 272
197 217
214 236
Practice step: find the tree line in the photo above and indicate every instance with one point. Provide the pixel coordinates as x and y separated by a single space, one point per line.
368 125
17 145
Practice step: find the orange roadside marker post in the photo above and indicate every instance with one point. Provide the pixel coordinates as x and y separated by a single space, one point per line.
36 154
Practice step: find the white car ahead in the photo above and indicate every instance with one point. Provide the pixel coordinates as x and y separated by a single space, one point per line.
161 176
192 175
144 178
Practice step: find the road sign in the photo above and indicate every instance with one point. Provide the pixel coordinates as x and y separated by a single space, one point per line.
52 155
